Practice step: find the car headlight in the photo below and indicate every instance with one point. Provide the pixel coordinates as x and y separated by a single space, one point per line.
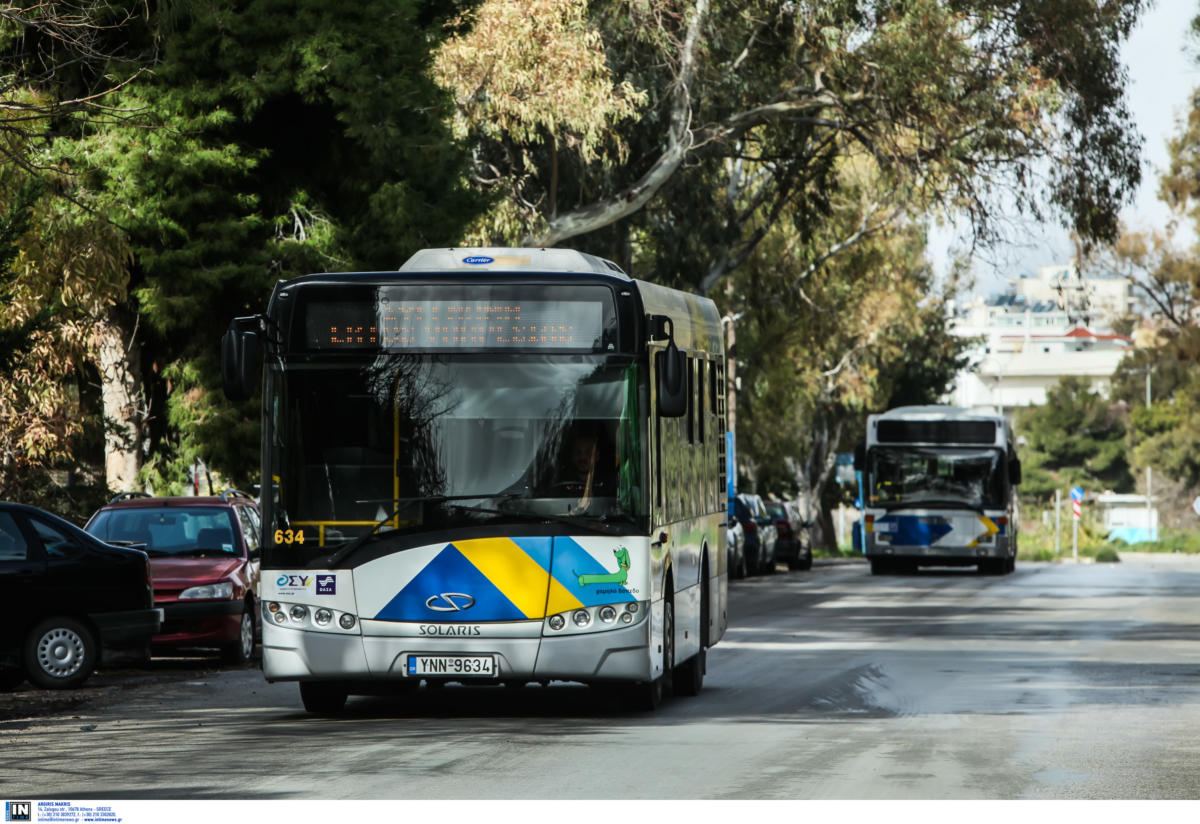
223 590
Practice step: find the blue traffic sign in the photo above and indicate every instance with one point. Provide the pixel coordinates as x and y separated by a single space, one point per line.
1077 493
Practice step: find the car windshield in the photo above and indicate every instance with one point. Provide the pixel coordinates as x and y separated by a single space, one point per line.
170 530
777 511
412 443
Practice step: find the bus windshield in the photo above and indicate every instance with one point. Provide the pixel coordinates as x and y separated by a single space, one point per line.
914 476
435 441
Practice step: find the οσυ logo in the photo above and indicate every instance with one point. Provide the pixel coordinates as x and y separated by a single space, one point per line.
449 602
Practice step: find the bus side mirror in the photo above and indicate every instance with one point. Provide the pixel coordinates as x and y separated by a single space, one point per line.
239 358
860 457
1014 471
670 367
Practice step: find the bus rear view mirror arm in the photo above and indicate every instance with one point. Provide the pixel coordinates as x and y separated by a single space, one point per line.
670 367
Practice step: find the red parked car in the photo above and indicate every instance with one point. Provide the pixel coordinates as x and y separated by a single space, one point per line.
204 553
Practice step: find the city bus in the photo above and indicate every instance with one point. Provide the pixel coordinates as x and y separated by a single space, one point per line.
939 489
492 466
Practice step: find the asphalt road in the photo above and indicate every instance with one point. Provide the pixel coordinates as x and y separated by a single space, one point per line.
1057 682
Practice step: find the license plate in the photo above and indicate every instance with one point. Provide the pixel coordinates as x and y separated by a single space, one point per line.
475 666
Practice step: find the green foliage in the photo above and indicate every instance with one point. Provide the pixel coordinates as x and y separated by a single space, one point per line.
285 137
1077 438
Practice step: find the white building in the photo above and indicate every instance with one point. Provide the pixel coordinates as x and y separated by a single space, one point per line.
1047 327
1128 517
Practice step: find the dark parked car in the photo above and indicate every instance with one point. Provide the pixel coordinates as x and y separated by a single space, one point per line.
205 555
71 602
792 545
735 544
760 533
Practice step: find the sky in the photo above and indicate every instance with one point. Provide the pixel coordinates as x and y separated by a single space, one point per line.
1162 73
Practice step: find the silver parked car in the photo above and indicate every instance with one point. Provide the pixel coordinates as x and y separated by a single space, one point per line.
735 544
760 533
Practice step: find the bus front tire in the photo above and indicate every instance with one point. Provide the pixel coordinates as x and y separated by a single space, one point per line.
323 697
648 695
688 678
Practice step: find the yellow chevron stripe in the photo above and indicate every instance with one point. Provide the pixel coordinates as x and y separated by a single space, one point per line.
510 570
561 599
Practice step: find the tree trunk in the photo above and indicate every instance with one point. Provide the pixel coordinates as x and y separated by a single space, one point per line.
124 402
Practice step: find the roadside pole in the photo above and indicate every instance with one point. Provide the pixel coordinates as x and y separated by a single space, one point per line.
1077 512
1075 538
1058 522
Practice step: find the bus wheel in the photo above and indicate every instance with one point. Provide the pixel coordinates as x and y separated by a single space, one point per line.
648 695
323 697
688 678
879 566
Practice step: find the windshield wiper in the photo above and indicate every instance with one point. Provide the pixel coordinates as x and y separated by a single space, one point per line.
361 540
591 524
932 503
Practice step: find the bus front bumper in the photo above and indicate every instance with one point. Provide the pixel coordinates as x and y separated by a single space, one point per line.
381 653
940 555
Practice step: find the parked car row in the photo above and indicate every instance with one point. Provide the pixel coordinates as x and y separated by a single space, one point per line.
161 574
761 534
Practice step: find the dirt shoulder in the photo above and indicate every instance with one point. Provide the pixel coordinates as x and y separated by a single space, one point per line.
26 701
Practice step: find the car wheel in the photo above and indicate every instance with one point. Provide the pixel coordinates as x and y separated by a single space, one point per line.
60 653
805 563
241 650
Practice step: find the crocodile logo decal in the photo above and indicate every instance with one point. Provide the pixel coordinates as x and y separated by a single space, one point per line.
618 577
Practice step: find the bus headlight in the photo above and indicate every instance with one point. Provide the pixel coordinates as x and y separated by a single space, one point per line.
596 619
306 617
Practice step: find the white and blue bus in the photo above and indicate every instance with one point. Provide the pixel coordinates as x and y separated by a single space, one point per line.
491 466
939 489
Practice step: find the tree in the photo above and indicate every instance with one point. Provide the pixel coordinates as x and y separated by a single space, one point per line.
753 103
866 332
282 139
1077 438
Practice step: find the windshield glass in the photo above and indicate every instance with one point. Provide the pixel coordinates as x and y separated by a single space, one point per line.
950 477
425 442
168 530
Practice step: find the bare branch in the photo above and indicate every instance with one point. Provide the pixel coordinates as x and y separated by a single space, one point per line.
679 142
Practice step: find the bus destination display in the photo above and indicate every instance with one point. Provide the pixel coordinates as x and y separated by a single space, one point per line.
393 324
